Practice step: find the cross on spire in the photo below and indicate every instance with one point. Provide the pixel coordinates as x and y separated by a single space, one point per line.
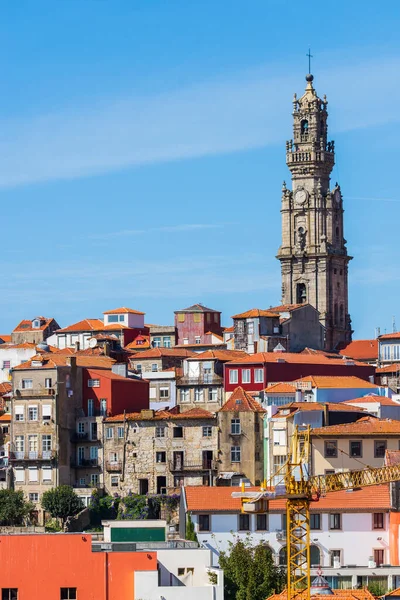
310 56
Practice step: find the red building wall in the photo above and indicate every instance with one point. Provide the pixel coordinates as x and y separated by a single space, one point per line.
39 565
120 392
190 328
274 372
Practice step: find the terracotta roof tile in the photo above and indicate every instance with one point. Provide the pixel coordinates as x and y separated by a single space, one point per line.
222 355
26 325
286 307
364 426
280 388
390 336
108 374
241 401
5 418
199 308
219 499
229 329
392 457
163 352
215 335
84 325
345 594
142 341
322 352
294 358
125 310
361 350
198 346
194 413
331 406
256 312
5 388
6 338
374 398
336 381
52 361
392 368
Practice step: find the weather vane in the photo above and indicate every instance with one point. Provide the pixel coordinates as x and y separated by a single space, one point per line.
310 56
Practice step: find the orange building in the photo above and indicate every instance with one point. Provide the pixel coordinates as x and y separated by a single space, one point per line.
63 566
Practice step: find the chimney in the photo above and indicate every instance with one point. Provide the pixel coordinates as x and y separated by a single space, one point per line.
71 361
77 346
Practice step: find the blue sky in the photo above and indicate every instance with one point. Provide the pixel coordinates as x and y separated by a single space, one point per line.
142 152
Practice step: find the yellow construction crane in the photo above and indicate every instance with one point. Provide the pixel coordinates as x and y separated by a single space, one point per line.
299 490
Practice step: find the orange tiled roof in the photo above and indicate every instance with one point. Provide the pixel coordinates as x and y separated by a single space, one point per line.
125 310
336 381
163 352
142 341
220 346
255 312
108 374
5 388
5 418
26 325
322 352
223 355
392 457
219 499
241 401
6 338
361 350
286 307
193 413
392 368
293 358
215 335
229 329
364 426
345 594
84 325
52 361
370 398
331 406
280 388
390 336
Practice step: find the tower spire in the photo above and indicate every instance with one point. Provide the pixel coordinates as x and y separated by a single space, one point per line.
310 56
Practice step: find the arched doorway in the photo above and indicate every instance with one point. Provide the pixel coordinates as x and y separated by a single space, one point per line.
315 556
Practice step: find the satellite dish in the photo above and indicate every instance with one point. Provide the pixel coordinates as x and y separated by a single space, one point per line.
92 343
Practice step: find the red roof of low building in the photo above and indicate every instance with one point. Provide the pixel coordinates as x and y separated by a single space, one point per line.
390 336
336 381
219 499
163 352
222 355
255 312
125 310
364 426
331 406
193 413
241 401
84 325
392 368
361 350
281 388
5 388
341 594
229 329
6 338
286 307
142 341
52 361
26 325
372 398
293 358
5 418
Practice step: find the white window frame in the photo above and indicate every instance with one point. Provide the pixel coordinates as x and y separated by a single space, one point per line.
27 384
233 376
258 375
93 383
246 375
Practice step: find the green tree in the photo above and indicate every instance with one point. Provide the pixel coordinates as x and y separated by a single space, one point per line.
14 509
190 532
62 502
250 572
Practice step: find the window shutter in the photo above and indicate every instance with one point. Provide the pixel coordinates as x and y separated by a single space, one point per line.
19 475
18 410
33 474
46 410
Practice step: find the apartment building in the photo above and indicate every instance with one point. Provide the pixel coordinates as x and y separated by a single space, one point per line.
155 451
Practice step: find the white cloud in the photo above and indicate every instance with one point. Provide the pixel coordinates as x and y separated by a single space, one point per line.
248 110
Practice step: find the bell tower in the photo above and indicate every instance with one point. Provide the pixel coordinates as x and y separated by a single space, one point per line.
313 254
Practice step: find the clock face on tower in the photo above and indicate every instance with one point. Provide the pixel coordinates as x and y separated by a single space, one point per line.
300 196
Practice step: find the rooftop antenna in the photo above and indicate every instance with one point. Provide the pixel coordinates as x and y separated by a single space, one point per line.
394 330
377 332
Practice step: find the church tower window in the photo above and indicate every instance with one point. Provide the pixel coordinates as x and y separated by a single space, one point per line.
301 293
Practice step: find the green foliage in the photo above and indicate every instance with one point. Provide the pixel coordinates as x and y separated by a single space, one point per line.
52 526
250 572
62 502
103 507
133 507
212 577
377 588
190 532
14 509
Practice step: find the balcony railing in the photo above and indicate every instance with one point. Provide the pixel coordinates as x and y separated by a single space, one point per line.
34 392
84 437
206 379
205 465
44 455
114 466
78 463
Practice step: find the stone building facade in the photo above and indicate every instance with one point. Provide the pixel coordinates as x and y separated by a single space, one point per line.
313 254
35 331
155 452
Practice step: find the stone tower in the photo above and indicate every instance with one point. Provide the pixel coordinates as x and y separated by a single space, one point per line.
313 254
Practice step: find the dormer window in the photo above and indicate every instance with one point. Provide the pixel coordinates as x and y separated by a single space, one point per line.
35 324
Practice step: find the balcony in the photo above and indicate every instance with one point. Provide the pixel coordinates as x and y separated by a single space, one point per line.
34 392
76 438
205 465
114 466
205 379
26 456
83 463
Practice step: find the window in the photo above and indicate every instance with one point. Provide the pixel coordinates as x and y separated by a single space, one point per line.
19 413
120 432
33 446
9 593
186 341
139 368
212 394
279 437
246 376
207 431
20 443
46 412
69 593
197 339
112 318
235 426
103 407
27 384
178 432
233 376
197 318
164 392
32 474
160 431
396 352
6 364
90 408
257 456
386 352
315 521
204 522
335 556
356 449
46 445
82 481
379 557
114 481
47 382
235 454
33 497
181 317
378 521
81 427
335 521
198 395
19 475
380 448
32 413
244 523
262 522
167 342
113 458
184 395
109 433
93 382
156 342
47 474
94 479
258 376
161 457
331 449
154 368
